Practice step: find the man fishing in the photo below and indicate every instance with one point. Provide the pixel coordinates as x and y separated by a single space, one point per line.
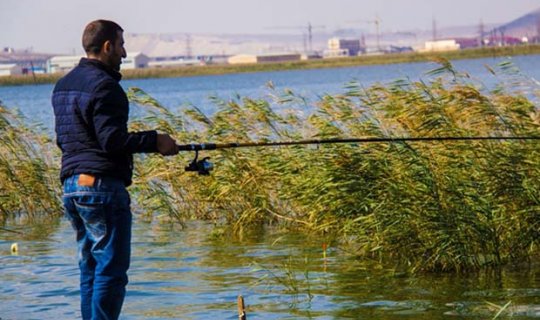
91 114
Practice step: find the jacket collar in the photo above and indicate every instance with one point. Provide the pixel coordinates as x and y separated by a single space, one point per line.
100 65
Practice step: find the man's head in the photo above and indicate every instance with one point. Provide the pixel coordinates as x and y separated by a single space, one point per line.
104 40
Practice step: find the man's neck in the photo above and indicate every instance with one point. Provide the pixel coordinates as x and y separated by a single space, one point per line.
97 57
115 74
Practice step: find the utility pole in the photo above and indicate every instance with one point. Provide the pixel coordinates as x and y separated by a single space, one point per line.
377 23
310 36
188 46
537 40
481 33
495 37
307 39
434 29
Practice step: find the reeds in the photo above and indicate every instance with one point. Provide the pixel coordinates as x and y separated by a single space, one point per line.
438 206
446 206
29 185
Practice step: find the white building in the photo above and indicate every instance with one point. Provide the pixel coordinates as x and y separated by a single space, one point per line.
135 60
242 59
353 47
441 45
174 63
311 55
262 58
10 69
62 64
335 53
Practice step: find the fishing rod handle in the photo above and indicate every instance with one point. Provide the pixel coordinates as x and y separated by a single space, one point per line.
196 147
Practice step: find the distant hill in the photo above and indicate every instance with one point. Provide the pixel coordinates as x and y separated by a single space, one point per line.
179 44
525 26
182 44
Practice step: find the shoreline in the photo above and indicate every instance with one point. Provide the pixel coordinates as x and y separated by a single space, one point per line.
190 71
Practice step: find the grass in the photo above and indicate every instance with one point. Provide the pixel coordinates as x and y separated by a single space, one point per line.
442 206
188 71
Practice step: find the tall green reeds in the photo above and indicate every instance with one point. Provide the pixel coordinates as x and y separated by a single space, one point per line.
29 185
438 206
425 206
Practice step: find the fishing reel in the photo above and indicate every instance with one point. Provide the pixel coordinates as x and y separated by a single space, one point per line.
202 167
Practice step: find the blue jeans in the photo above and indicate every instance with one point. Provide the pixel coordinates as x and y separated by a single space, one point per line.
101 217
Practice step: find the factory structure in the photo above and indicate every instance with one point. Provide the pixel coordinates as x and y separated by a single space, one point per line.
176 50
63 64
338 47
10 69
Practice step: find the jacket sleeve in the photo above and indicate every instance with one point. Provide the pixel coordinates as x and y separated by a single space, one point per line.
110 114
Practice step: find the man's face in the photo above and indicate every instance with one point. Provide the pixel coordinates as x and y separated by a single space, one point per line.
117 52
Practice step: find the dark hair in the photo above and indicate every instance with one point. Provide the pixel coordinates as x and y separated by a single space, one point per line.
97 32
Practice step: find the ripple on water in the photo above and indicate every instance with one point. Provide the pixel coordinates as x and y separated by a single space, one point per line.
183 275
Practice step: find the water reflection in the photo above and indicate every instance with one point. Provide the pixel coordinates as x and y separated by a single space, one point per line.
189 274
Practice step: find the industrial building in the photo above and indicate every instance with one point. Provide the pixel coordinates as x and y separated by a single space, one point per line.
10 69
337 46
335 53
30 62
440 45
174 63
242 59
273 57
135 60
63 64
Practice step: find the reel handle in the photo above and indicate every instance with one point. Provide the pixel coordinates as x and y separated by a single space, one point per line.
202 167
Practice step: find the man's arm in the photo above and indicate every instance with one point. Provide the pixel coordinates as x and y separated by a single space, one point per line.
110 116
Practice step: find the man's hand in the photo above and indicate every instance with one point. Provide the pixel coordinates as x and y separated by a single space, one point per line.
166 145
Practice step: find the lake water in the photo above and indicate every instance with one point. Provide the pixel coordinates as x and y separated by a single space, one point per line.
178 93
189 274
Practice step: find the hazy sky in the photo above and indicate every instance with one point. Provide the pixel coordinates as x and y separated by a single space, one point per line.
56 25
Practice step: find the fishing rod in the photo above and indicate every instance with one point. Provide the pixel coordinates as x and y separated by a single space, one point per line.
204 167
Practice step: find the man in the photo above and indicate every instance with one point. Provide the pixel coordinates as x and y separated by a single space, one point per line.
91 114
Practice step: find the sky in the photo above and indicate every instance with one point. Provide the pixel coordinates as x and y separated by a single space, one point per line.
55 26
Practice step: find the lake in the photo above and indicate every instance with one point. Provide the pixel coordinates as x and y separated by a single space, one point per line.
179 93
189 273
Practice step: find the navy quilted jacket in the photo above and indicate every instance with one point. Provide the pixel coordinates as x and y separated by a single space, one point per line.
91 113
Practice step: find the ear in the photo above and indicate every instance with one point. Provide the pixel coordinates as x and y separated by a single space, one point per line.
107 46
